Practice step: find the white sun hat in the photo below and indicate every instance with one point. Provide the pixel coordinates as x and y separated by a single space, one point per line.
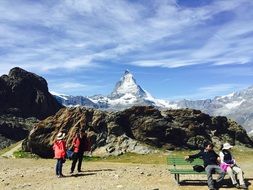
60 135
226 146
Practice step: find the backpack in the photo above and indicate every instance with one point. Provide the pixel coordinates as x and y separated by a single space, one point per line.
198 168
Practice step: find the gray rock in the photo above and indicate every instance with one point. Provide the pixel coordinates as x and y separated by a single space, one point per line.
139 130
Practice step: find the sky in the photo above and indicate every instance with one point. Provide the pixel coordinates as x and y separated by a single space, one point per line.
176 49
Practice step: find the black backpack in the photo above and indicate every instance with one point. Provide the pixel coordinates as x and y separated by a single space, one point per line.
198 168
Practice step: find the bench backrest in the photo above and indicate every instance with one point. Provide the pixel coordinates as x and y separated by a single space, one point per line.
176 160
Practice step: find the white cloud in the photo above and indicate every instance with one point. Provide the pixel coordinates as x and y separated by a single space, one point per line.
74 34
212 91
71 85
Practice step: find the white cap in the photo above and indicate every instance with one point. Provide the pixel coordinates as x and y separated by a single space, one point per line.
226 146
60 135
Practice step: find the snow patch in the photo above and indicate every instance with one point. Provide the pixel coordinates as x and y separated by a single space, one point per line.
63 96
233 104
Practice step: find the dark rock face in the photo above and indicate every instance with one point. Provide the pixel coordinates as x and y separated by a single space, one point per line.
170 129
13 129
25 94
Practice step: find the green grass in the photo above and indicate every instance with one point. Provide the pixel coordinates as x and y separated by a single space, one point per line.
23 154
241 154
8 148
158 158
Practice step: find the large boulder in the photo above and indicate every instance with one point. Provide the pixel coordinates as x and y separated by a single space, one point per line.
135 130
25 94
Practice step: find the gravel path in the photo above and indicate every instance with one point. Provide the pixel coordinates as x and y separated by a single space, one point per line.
39 174
9 154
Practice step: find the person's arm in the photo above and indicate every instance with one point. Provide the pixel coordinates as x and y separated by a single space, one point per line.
54 146
193 156
221 157
64 146
233 159
76 142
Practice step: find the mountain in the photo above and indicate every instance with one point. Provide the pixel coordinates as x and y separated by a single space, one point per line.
25 94
127 86
237 106
24 99
74 100
126 93
139 129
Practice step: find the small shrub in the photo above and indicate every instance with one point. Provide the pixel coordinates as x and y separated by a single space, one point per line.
23 154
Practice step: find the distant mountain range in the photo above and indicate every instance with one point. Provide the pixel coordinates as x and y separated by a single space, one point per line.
127 93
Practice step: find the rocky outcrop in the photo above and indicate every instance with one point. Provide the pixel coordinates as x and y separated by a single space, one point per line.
25 94
135 130
14 129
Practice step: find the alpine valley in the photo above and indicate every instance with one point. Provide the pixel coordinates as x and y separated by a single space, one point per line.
237 106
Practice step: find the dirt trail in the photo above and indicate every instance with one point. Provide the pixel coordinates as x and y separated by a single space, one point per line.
10 152
39 174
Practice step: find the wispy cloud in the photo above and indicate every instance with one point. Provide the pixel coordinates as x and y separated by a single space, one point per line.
75 88
81 33
211 91
71 85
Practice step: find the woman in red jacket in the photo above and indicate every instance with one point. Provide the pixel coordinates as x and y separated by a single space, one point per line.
59 153
81 144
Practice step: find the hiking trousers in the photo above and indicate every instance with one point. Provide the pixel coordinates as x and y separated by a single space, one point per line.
238 171
210 169
77 157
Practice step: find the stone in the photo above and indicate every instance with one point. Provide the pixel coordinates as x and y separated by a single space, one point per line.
25 94
140 129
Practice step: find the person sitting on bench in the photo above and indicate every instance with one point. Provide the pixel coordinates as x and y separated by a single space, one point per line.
229 165
211 160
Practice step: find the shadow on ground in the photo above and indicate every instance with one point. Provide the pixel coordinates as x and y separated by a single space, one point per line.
80 175
226 183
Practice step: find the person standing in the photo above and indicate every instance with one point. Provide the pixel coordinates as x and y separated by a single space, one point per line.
59 148
211 160
81 144
228 164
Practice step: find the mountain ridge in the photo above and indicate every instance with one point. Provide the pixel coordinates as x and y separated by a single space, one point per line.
128 93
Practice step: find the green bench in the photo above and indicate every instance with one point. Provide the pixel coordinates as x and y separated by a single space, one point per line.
181 166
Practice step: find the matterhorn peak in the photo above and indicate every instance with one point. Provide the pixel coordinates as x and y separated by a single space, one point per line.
127 86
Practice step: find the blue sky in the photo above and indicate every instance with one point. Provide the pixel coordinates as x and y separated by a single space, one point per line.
192 49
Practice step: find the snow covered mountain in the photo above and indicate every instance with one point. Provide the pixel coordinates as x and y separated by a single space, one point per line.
74 101
127 93
237 106
127 86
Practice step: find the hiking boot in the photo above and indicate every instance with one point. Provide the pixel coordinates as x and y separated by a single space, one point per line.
243 186
236 185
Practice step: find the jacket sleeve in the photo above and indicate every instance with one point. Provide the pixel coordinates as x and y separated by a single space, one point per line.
196 155
221 157
76 142
54 146
64 146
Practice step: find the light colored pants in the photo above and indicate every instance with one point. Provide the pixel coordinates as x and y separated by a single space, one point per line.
235 170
